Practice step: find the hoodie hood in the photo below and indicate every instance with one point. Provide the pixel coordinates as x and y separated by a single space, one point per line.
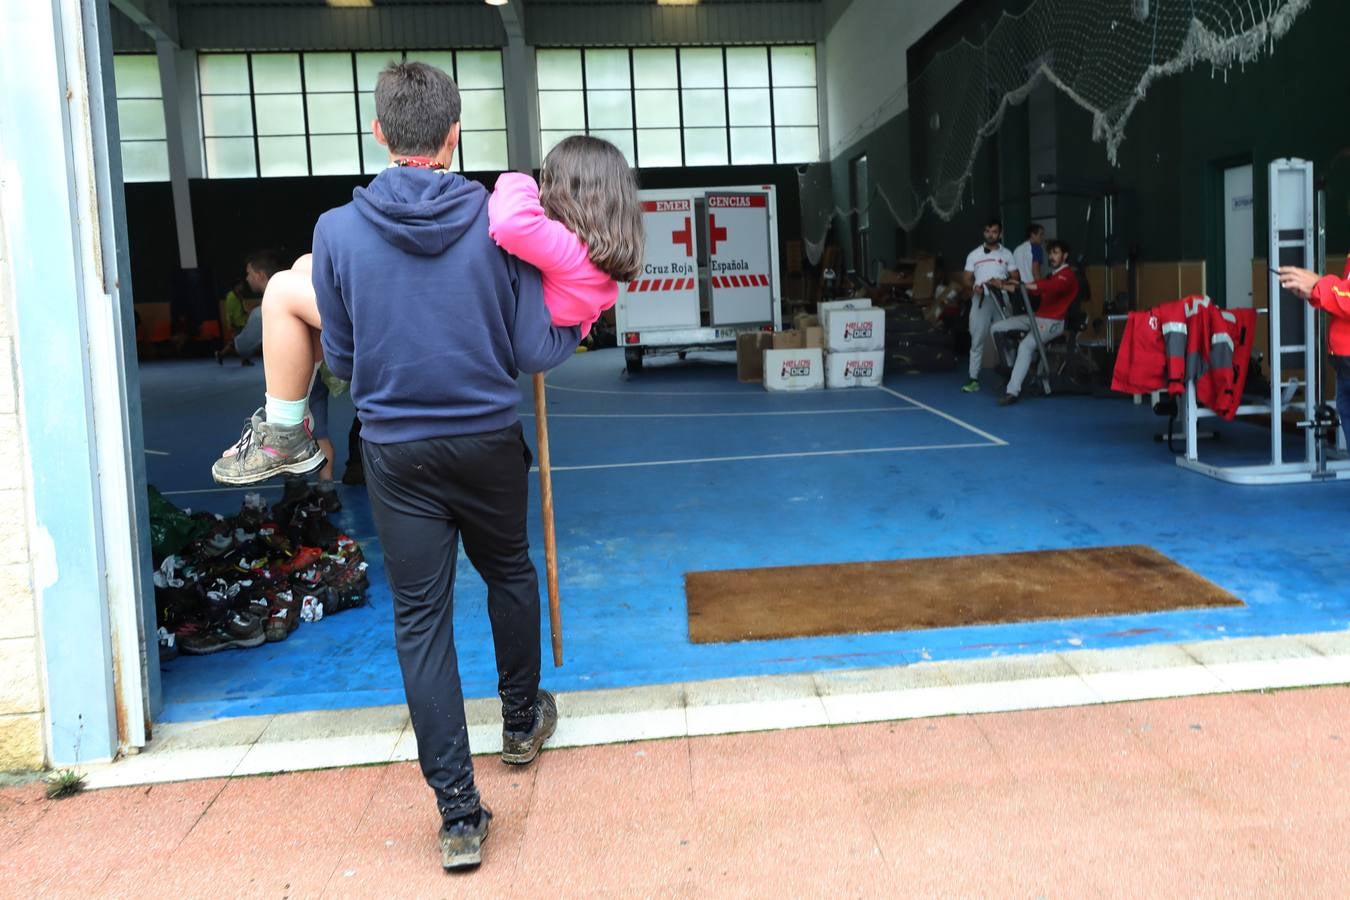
421 211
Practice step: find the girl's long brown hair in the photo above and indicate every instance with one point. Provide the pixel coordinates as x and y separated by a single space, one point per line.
587 185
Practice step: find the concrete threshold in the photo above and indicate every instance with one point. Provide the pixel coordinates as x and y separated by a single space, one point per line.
260 745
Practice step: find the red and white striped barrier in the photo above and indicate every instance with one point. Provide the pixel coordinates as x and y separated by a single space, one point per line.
660 284
740 281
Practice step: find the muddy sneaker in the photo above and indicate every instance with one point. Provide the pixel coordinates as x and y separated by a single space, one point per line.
462 842
521 747
265 450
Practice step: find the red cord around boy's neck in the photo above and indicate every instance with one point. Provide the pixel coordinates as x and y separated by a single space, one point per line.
420 162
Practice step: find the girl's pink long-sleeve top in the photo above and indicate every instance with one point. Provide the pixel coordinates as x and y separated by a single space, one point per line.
575 291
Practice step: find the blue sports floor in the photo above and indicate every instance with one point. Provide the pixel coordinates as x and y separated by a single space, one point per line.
683 468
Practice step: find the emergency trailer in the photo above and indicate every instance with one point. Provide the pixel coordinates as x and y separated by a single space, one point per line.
710 271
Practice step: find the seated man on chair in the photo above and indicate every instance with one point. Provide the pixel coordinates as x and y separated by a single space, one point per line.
1057 293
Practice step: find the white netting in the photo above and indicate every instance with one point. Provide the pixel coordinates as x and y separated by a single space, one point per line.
1104 54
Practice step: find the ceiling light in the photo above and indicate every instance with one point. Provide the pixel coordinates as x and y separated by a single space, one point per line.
351 4
677 2
495 2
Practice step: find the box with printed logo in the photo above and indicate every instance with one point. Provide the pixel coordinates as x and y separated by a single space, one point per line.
849 330
825 307
857 369
794 370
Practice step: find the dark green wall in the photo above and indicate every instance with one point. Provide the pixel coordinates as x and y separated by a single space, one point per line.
1168 180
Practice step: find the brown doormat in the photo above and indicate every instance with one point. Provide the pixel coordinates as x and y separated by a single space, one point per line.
943 592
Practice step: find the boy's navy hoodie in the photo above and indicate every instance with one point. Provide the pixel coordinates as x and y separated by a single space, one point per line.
425 315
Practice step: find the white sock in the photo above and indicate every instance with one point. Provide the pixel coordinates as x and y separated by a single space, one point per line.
285 412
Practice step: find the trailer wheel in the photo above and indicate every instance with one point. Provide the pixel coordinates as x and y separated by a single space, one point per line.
632 359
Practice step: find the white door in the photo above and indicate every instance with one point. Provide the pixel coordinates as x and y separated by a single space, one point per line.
1237 236
665 293
739 258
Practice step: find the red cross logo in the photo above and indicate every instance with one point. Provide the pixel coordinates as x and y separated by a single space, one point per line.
715 234
685 237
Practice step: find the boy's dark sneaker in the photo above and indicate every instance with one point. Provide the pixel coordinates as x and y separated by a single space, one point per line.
1007 400
326 497
265 450
213 640
354 474
521 747
462 843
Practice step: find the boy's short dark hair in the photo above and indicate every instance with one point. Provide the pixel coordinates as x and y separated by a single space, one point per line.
1062 245
1034 229
417 105
994 223
264 261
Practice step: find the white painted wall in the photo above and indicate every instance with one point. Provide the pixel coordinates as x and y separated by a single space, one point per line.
865 75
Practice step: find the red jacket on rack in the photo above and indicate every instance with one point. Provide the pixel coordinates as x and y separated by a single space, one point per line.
1332 295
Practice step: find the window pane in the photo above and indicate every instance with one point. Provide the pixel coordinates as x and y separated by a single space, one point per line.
136 75
479 69
609 109
145 161
225 116
794 106
484 151
751 146
704 108
701 67
747 67
558 69
658 109
230 158
797 144
655 69
705 147
750 106
367 114
793 66
328 72
483 110
280 114
276 73
331 113
140 119
441 59
659 148
621 139
368 66
376 156
223 73
549 139
606 69
562 111
282 156
334 155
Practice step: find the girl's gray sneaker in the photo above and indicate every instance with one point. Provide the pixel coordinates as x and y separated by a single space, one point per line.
265 450
521 747
462 844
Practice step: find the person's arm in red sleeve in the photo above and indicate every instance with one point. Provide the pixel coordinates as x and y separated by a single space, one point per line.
1332 294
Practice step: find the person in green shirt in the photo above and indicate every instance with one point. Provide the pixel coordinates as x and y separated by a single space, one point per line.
245 323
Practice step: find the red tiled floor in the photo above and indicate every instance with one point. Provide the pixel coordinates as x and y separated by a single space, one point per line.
1214 796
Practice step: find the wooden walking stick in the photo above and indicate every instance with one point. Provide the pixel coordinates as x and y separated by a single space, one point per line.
546 498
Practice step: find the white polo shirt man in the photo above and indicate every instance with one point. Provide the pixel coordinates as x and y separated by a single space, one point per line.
989 262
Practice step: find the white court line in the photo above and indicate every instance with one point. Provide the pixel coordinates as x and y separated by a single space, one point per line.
803 455
225 490
937 412
739 415
575 390
157 452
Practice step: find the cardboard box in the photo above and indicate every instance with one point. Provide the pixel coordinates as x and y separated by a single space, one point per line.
859 369
826 306
794 370
750 347
788 340
815 336
804 320
925 269
850 330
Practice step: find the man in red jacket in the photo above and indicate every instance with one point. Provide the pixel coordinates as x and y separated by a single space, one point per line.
1057 293
1331 295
